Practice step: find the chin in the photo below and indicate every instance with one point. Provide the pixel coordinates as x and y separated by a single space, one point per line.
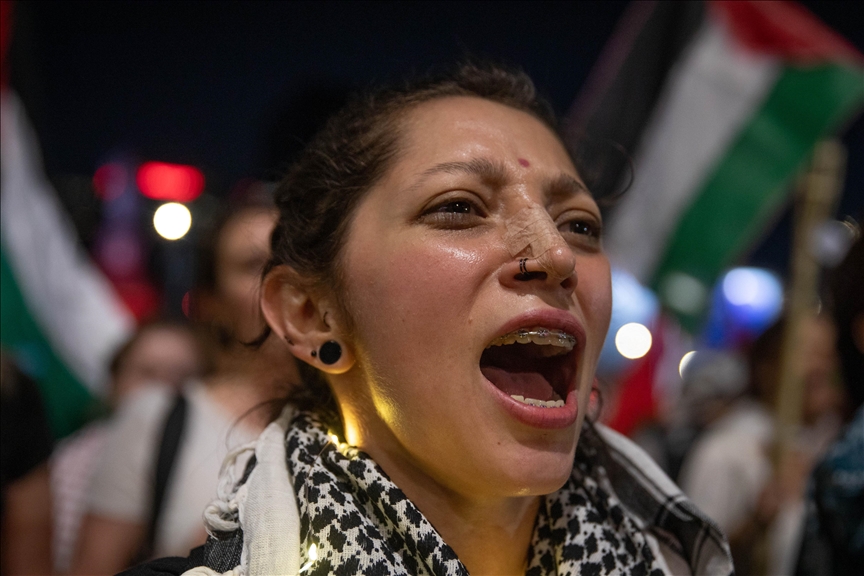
534 469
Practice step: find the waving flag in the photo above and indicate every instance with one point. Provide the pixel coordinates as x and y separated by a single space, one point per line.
58 314
720 104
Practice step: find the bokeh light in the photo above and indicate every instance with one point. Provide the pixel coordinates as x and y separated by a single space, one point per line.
172 220
685 360
633 340
186 304
684 293
752 287
745 302
631 302
163 181
110 180
830 241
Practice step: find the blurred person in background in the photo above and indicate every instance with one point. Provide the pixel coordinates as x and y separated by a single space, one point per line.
25 506
161 353
713 382
184 438
728 471
833 542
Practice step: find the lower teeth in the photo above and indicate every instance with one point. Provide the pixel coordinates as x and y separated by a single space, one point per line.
540 403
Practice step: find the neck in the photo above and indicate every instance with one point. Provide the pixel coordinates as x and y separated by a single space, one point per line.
489 537
491 534
235 358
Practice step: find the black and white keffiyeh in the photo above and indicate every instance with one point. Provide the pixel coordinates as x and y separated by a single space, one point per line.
607 519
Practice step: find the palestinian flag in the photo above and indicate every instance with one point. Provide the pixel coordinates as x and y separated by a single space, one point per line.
59 317
720 105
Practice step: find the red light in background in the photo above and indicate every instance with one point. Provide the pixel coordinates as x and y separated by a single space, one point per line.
186 304
109 181
175 182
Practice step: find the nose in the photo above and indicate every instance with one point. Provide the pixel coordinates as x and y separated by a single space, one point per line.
558 262
538 250
556 266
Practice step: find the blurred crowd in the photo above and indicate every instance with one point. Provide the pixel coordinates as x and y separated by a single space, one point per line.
132 485
794 509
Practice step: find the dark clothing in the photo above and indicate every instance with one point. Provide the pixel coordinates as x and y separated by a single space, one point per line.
833 542
173 566
25 437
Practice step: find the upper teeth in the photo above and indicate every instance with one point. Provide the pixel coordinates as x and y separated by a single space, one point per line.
535 402
542 336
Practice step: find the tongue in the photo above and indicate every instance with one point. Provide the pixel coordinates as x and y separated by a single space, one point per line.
527 384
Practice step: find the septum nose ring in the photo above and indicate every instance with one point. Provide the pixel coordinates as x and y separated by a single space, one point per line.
549 264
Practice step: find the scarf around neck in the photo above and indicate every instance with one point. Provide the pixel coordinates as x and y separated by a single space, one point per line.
334 505
360 522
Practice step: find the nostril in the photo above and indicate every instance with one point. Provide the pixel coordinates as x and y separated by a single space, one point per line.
527 276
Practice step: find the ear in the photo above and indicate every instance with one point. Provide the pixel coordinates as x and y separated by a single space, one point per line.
302 319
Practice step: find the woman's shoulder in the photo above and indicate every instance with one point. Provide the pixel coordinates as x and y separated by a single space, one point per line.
658 504
636 462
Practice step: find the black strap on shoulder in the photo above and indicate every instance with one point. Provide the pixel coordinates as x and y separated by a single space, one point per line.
223 551
169 446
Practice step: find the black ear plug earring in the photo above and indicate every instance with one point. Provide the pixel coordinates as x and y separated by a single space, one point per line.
330 352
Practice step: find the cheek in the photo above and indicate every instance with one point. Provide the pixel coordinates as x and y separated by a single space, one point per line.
414 288
595 294
238 293
241 290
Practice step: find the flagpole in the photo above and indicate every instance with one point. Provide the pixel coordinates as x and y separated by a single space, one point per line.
817 196
818 190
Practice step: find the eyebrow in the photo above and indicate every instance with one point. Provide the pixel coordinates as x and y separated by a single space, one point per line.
565 186
492 173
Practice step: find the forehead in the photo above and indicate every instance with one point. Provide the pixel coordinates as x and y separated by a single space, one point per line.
247 230
464 127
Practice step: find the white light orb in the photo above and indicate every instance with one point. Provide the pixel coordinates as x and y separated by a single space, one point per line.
633 340
685 360
172 220
753 287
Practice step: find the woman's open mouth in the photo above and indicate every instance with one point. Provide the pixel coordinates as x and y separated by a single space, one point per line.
535 369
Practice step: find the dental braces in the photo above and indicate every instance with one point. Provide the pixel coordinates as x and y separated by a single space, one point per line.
537 336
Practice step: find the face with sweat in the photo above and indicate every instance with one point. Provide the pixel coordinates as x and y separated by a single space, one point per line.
479 298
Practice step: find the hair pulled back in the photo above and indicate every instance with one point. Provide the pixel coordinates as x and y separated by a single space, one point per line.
355 148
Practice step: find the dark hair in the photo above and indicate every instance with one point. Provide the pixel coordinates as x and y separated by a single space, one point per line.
356 147
846 287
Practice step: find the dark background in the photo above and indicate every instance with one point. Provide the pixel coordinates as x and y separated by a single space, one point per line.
235 87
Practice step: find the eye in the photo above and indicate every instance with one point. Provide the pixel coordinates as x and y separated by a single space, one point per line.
457 213
582 230
456 207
